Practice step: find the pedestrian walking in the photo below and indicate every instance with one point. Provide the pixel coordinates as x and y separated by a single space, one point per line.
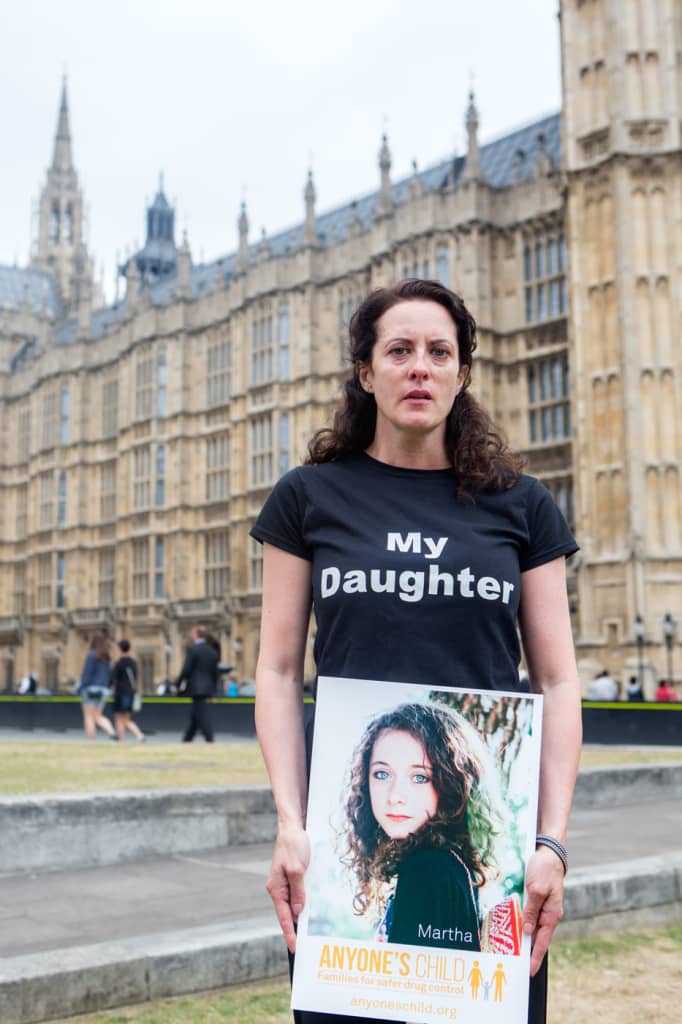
199 680
94 687
124 686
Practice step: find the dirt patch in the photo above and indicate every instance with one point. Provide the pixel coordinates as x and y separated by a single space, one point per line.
624 980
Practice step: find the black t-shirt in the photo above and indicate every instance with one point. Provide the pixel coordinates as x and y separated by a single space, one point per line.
411 582
434 903
120 676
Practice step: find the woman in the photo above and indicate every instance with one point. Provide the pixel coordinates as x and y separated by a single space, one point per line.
422 823
94 687
419 542
665 693
124 683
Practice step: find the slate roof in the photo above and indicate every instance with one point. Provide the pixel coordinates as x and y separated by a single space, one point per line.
503 161
37 286
103 320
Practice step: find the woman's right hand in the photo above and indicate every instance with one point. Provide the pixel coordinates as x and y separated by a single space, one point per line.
290 859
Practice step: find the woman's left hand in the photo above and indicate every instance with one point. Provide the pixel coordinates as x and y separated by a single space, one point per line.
544 902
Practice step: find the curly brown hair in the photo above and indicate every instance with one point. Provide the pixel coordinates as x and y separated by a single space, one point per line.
467 819
479 455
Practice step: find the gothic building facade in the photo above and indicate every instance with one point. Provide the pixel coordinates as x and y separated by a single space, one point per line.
139 439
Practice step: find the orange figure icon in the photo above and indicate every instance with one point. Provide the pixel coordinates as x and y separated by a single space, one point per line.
500 978
475 977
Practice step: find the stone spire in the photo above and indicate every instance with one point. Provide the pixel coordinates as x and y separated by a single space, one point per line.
264 250
61 248
309 230
472 165
184 267
132 276
243 226
385 204
415 183
543 164
61 157
85 309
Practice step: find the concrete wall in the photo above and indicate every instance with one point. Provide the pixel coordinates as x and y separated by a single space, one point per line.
57 984
44 833
597 787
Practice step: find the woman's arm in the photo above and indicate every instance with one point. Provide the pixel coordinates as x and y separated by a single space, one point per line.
546 631
279 723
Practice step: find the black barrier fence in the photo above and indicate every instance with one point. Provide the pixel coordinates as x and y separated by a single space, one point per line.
657 725
232 716
629 723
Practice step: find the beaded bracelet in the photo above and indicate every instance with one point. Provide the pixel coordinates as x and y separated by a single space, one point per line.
544 840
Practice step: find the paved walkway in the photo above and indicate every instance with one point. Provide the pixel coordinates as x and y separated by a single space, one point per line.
61 909
77 736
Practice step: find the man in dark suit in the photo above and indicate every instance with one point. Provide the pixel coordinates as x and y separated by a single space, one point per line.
199 680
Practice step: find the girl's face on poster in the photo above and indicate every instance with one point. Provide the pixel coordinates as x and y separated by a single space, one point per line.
400 788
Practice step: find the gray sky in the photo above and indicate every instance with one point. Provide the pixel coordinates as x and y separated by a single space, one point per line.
235 99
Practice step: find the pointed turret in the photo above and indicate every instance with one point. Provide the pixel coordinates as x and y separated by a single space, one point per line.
264 250
60 245
158 259
472 165
132 286
85 310
543 163
416 188
385 204
309 229
184 267
243 226
61 157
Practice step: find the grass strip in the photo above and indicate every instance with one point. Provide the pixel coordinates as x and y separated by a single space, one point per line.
103 766
620 978
32 767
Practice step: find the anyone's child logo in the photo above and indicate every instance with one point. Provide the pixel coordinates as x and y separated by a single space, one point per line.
416 880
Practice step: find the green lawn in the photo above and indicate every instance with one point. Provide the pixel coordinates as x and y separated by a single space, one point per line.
103 766
603 757
620 978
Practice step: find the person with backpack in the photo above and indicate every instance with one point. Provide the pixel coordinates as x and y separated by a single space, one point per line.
124 685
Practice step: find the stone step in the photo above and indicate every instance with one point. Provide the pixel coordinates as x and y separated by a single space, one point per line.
46 986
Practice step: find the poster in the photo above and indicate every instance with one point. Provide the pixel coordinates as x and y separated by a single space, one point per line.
421 816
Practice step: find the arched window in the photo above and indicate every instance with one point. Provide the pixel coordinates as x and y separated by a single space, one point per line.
61 500
64 403
161 383
68 225
54 223
443 264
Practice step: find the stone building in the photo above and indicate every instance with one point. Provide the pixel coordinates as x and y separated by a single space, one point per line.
139 439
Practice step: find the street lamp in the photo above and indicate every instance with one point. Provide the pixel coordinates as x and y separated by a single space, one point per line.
668 633
639 637
9 673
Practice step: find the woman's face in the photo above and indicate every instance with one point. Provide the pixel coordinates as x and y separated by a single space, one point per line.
400 788
414 373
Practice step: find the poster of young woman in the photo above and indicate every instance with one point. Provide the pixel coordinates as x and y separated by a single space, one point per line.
421 816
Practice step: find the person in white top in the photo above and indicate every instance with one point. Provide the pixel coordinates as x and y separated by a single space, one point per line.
603 687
